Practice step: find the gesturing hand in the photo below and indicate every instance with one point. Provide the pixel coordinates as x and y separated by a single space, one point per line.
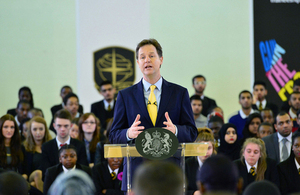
135 130
169 125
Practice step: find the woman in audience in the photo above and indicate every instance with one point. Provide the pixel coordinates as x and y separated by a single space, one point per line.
89 134
37 135
254 164
24 126
229 145
251 127
11 149
192 165
74 130
288 170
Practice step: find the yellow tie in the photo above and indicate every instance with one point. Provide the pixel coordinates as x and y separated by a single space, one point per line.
152 105
299 171
252 171
113 175
109 107
260 106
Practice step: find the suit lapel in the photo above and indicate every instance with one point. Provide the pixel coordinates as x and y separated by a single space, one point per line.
166 94
276 146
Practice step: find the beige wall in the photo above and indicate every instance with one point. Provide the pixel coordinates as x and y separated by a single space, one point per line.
38 43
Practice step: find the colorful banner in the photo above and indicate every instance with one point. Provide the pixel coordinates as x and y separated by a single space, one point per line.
277 46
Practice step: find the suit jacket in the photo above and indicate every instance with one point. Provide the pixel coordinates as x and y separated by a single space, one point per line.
12 112
131 101
272 146
191 169
207 103
271 174
99 110
50 153
289 176
102 180
272 106
54 171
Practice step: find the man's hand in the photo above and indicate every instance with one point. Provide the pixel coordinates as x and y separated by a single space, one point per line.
135 130
169 125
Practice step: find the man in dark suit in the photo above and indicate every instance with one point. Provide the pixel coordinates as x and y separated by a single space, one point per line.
65 90
104 109
199 84
278 145
259 98
68 162
62 124
170 102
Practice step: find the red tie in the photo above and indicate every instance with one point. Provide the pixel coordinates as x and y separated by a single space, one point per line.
61 145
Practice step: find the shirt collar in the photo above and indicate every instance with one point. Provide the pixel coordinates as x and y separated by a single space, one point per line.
106 104
249 167
289 137
16 118
200 162
263 103
297 164
292 115
110 170
67 170
147 85
243 115
58 142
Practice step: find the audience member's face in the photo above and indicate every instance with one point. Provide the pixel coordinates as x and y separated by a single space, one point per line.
295 102
72 105
25 95
245 100
25 129
74 131
264 131
38 131
114 163
89 125
296 88
199 85
108 92
251 153
284 125
68 158
33 113
267 116
149 61
8 129
296 147
215 127
62 127
196 107
259 92
253 126
209 152
230 136
65 91
22 111
298 119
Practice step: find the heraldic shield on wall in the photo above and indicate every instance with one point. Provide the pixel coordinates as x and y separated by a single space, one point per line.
156 143
116 64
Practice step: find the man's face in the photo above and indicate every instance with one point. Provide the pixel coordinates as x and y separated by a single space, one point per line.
264 130
114 163
215 127
296 88
260 92
298 119
72 105
196 107
108 92
284 125
245 100
25 95
295 102
22 111
62 127
65 91
199 85
149 62
267 116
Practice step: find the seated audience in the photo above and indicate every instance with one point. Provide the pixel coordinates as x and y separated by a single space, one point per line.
67 162
22 109
215 123
159 178
107 176
296 88
267 115
218 175
264 130
62 124
200 119
37 135
24 127
288 170
294 103
251 127
263 187
11 149
75 182
229 145
71 103
89 134
192 165
74 131
254 164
